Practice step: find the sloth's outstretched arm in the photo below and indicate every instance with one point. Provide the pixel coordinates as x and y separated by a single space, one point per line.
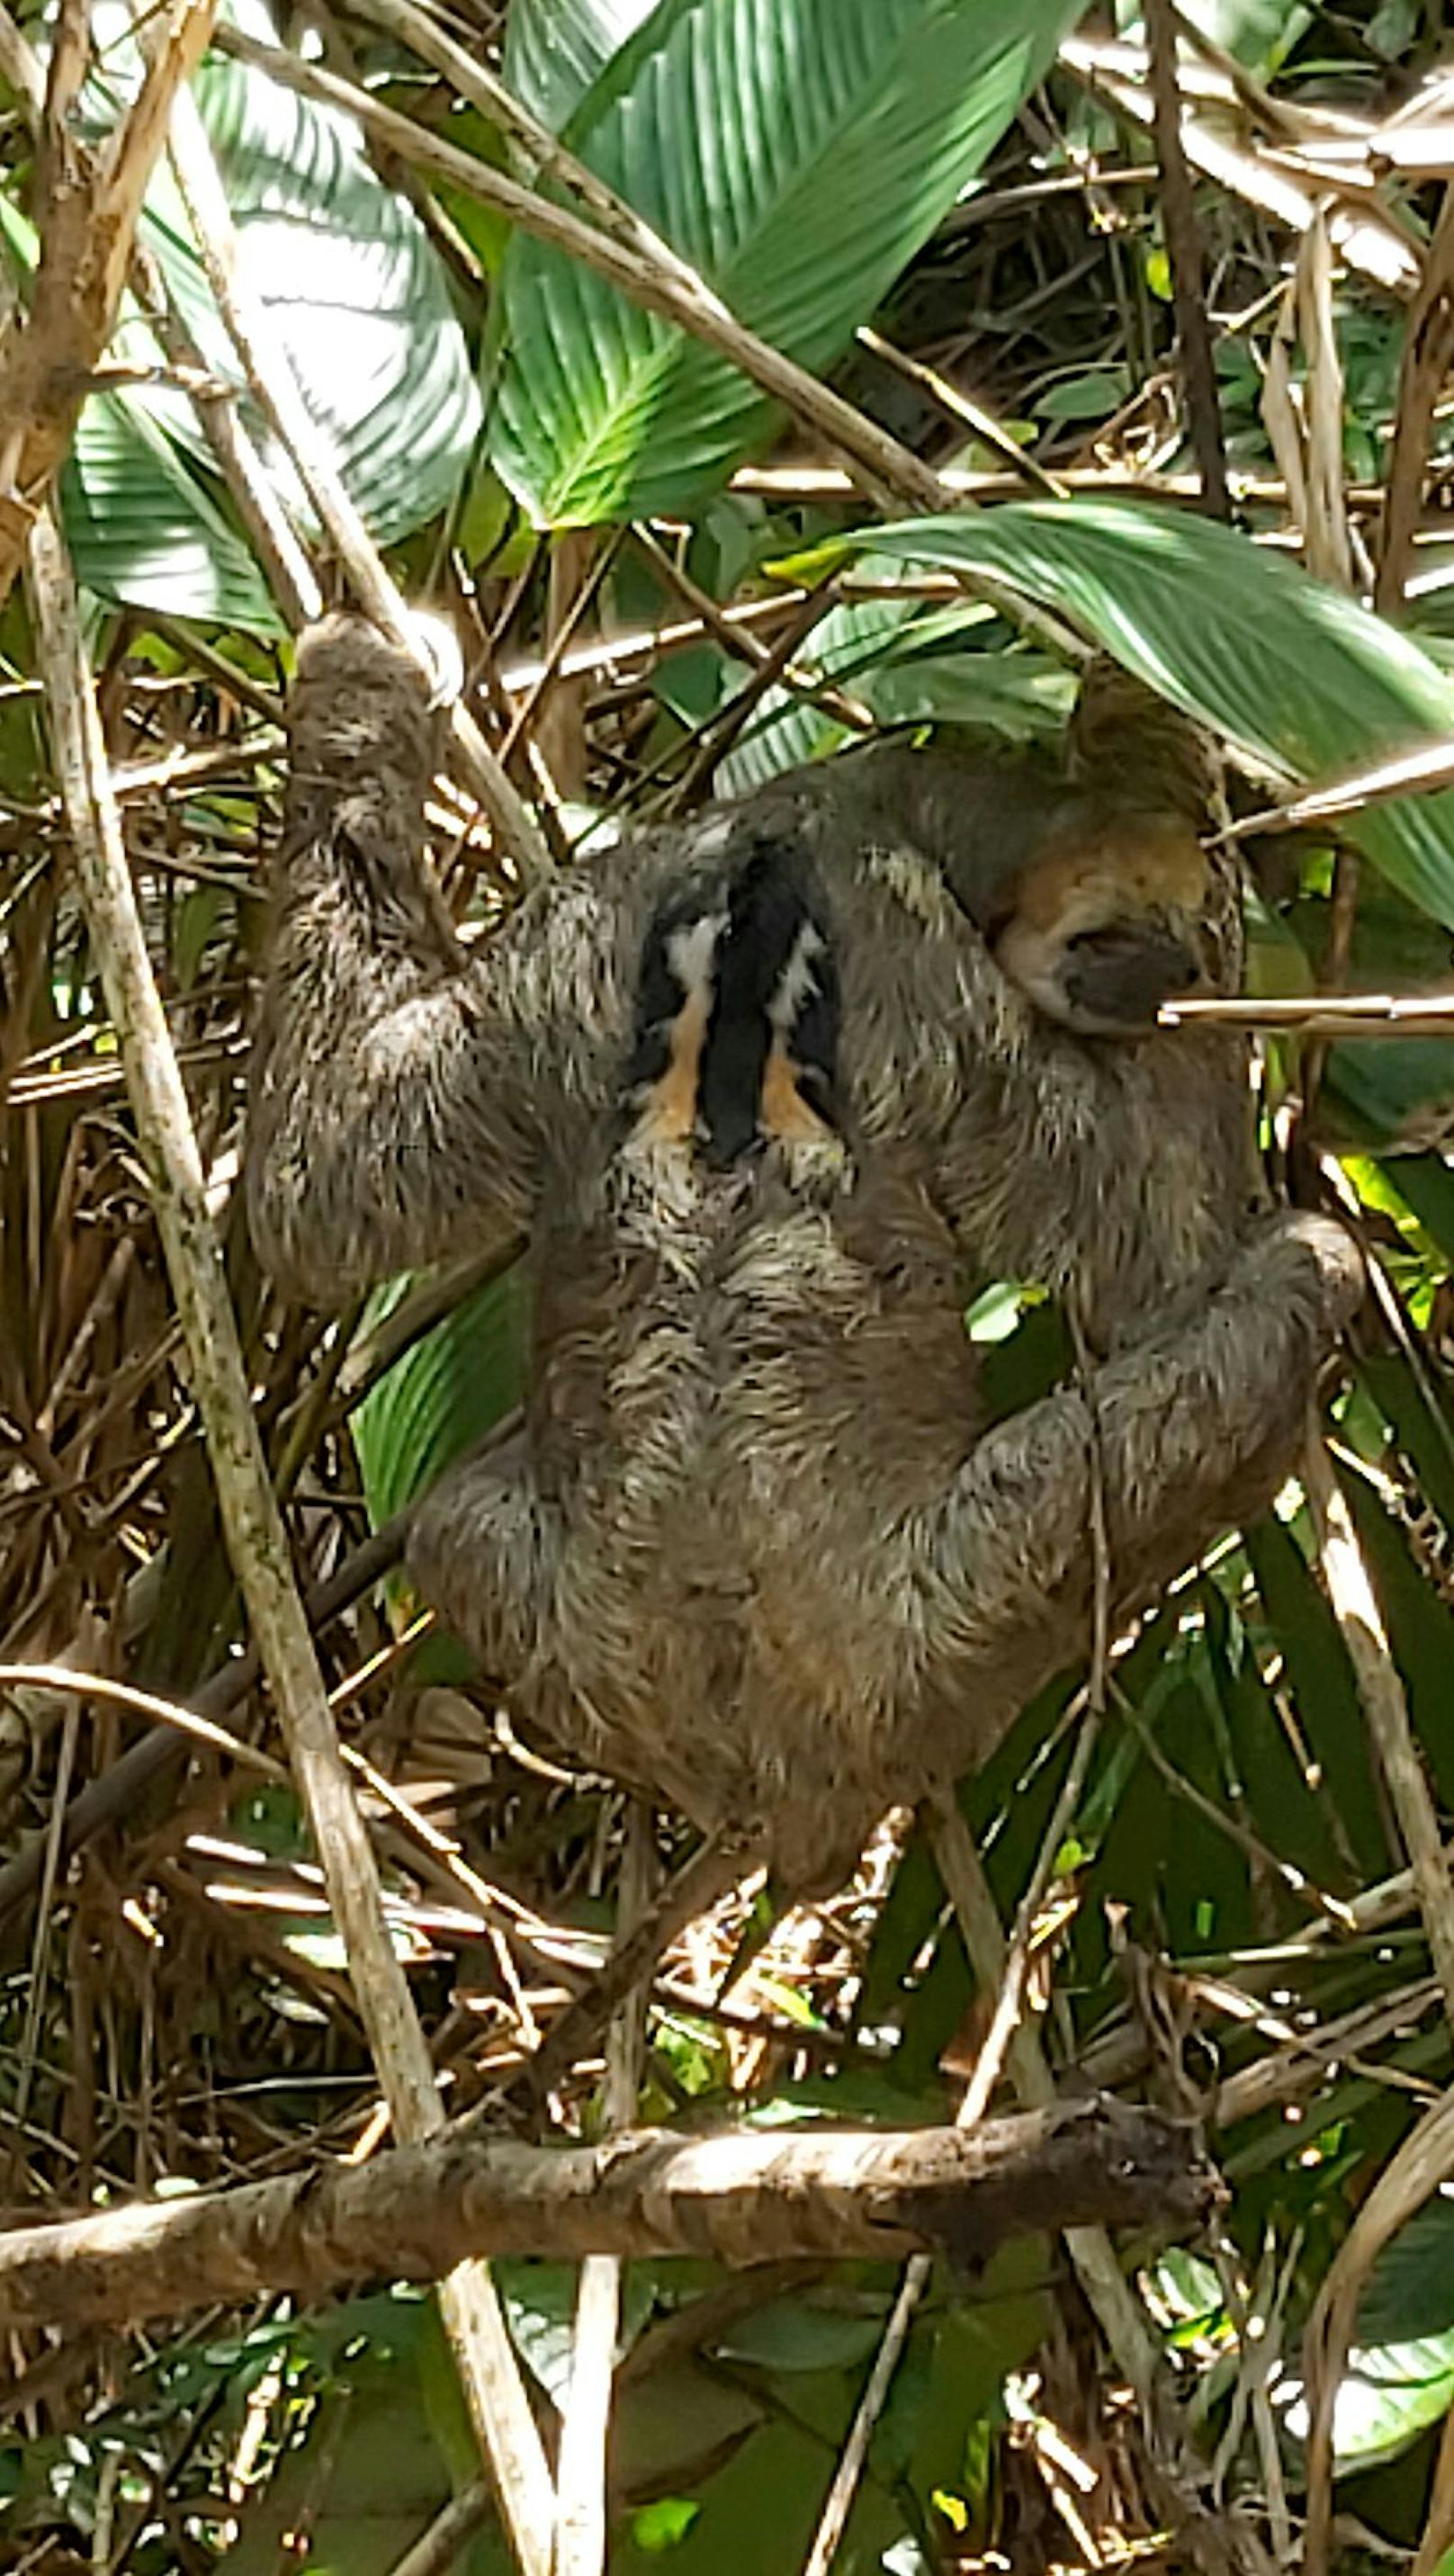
391 1117
1195 1428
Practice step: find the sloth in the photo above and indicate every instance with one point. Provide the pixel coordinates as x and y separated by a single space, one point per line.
770 1093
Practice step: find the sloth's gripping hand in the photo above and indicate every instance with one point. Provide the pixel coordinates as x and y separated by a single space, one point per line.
391 1117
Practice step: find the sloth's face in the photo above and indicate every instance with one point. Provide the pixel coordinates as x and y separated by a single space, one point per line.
1100 935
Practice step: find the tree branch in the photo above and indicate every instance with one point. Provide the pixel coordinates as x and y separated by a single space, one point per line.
752 2196
85 213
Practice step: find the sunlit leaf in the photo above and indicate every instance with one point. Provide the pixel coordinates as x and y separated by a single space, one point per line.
554 49
1388 2395
145 529
797 155
361 303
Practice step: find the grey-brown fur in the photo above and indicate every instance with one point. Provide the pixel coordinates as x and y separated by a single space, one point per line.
754 1549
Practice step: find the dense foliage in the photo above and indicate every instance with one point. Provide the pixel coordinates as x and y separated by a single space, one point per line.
667 579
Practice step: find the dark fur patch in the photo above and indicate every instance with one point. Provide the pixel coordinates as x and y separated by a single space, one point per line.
772 993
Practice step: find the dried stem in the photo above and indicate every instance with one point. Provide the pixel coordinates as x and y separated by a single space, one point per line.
256 1539
1188 275
1385 1707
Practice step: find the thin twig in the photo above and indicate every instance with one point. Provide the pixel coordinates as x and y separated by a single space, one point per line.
719 1865
1365 1015
169 1713
580 2508
1385 1706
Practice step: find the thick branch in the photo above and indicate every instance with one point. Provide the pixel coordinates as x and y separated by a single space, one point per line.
748 2197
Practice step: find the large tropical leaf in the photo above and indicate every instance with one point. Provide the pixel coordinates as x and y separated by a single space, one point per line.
360 297
355 287
555 49
145 529
1245 641
797 152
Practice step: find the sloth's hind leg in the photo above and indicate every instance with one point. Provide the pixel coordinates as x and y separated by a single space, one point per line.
1195 1429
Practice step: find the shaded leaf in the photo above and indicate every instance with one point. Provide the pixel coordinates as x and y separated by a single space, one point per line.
1420 1624
444 1393
1409 2293
1324 1692
1239 638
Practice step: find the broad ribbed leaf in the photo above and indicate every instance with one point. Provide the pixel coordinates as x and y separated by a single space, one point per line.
144 530
797 152
1242 639
851 640
363 306
356 288
444 1393
555 49
906 666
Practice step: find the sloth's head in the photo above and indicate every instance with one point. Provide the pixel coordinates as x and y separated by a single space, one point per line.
1105 926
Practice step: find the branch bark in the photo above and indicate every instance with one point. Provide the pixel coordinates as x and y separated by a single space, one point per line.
256 1539
85 213
413 2213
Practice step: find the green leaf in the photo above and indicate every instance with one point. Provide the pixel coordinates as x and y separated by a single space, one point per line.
660 2526
554 49
1420 1623
1388 2395
145 531
1261 33
1275 1791
907 666
361 302
1325 1695
854 644
1239 638
797 155
442 1394
357 292
1419 1423
1391 1097
806 2333
1426 1185
1409 2294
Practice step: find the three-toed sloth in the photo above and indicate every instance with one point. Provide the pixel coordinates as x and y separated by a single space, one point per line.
770 1093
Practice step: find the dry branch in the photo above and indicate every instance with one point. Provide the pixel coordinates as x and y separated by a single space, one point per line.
253 1527
1427 356
86 211
413 2213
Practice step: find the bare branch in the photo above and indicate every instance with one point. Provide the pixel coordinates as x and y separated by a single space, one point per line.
749 2197
256 1539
